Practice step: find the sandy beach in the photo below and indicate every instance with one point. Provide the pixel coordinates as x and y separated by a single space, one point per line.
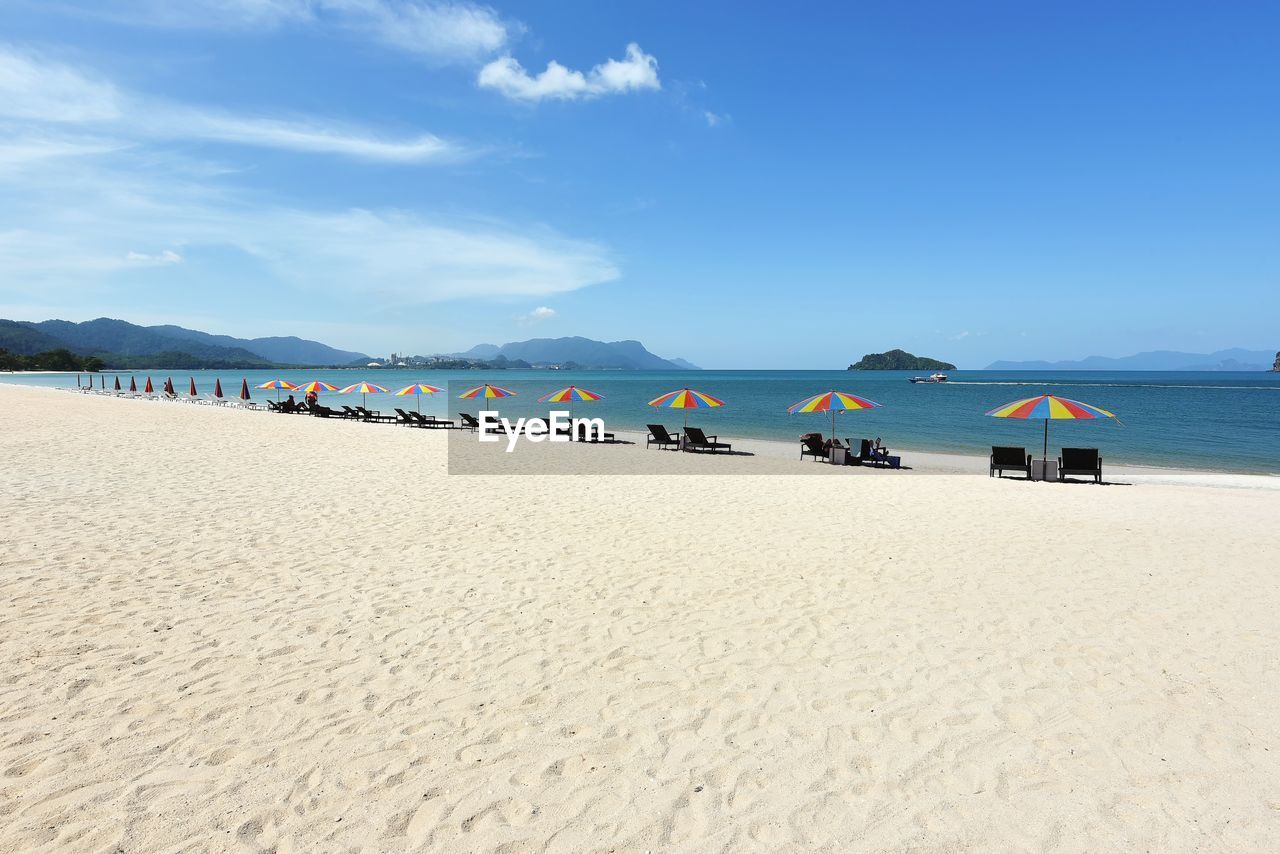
234 631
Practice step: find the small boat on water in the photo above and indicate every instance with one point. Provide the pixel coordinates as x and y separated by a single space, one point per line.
932 378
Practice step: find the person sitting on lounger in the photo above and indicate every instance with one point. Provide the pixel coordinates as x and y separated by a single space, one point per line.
290 404
312 398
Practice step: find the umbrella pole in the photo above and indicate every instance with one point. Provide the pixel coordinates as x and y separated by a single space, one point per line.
419 404
1044 454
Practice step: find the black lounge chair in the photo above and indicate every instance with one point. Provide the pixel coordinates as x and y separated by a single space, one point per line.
325 412
430 421
1010 459
696 440
406 418
1085 461
372 415
811 445
469 422
869 456
659 436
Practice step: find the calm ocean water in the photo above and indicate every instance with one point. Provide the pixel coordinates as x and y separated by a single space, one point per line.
1209 420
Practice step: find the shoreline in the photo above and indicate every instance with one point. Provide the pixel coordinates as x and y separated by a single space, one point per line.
918 462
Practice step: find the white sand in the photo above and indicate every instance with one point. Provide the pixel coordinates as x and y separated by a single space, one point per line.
239 631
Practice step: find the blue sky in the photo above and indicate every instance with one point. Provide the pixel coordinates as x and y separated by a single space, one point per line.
741 185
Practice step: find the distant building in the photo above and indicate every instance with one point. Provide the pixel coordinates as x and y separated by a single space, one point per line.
374 365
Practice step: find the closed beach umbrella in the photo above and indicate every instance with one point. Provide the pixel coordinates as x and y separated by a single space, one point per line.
363 389
569 395
278 385
133 385
833 402
117 382
418 390
217 388
686 399
1049 407
148 388
192 391
244 390
168 387
484 392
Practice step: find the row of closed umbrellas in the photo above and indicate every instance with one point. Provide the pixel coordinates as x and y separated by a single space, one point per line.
1046 406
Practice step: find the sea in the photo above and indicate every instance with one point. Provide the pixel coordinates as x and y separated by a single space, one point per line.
1215 421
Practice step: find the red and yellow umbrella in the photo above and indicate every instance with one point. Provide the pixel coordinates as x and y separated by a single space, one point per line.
278 385
686 399
363 389
1050 407
569 395
833 402
315 387
418 390
485 391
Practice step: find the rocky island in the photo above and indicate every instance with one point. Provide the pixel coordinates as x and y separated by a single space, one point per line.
899 360
1276 366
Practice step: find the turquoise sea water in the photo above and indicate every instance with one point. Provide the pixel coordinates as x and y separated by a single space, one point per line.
1206 420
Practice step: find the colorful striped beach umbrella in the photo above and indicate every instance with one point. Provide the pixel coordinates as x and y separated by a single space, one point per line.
418 390
1049 407
833 402
278 385
363 389
244 389
686 399
217 388
315 387
485 392
569 395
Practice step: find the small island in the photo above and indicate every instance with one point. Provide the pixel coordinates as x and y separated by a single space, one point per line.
899 360
1276 366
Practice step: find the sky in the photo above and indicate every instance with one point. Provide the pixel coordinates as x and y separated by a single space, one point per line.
741 185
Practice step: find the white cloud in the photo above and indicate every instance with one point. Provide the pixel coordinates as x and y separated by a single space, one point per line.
34 89
538 315
506 75
713 119
73 226
159 259
436 30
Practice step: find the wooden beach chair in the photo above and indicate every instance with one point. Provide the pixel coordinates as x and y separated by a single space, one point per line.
696 440
1083 461
659 436
1009 459
811 445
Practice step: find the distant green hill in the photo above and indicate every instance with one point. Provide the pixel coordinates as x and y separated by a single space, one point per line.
899 360
119 344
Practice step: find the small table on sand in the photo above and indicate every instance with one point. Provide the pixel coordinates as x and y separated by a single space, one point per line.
1044 469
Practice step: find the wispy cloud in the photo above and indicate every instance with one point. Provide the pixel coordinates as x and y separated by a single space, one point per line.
73 226
637 71
435 30
43 93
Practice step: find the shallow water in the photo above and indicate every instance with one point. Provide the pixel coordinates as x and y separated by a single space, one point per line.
1208 420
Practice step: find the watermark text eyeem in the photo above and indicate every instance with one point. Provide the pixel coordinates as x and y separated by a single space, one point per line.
560 427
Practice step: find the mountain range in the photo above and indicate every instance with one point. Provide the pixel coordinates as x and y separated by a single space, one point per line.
125 342
582 352
1155 360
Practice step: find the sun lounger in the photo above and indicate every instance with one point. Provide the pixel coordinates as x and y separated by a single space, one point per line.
406 419
373 415
430 421
869 456
659 436
696 440
1009 459
1085 461
811 445
469 422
